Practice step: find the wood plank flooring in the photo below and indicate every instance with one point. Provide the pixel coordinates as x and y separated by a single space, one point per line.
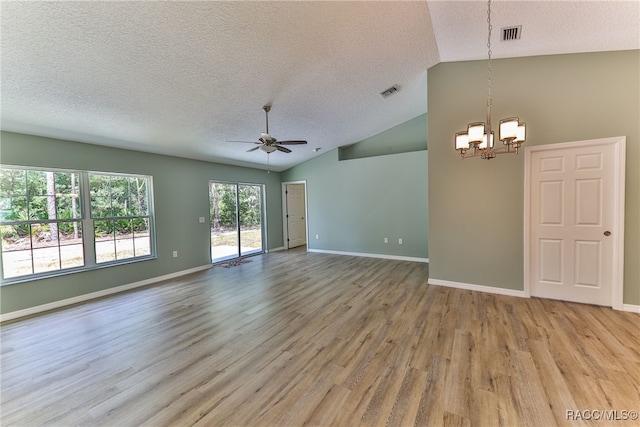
295 338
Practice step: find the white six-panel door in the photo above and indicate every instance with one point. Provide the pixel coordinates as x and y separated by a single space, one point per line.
295 215
572 218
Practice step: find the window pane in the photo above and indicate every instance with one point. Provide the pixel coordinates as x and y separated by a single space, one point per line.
71 247
101 207
44 241
5 208
124 248
64 208
105 242
63 182
139 196
41 195
13 182
123 228
142 239
124 239
250 212
14 208
44 235
69 231
46 259
67 195
119 196
38 207
100 189
16 254
224 231
36 183
15 234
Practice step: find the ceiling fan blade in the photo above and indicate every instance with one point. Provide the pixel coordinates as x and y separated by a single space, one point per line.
245 142
294 142
283 149
254 148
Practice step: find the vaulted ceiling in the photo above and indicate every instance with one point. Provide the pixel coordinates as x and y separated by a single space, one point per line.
184 78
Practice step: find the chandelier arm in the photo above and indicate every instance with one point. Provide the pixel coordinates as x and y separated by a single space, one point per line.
489 154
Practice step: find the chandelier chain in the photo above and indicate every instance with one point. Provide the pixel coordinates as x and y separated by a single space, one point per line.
478 135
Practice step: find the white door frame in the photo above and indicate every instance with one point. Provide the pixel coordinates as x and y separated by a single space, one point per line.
285 232
617 228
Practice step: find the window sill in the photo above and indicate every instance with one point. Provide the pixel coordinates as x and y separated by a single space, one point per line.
65 272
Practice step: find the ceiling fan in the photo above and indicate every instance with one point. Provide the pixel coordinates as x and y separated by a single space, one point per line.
269 144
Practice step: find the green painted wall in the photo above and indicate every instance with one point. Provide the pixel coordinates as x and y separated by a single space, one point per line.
562 98
180 196
403 138
354 204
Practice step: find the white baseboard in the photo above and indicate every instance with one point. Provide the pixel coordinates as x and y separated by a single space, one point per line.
630 307
367 255
479 288
281 248
93 295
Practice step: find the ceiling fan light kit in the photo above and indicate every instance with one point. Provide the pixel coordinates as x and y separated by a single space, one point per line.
512 132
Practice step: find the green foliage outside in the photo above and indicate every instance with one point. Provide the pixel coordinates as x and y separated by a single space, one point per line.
38 195
29 195
116 196
223 205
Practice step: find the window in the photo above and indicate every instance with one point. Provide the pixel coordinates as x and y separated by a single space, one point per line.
41 221
52 221
120 210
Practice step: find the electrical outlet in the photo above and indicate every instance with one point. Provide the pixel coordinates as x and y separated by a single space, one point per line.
386 240
317 237
201 220
175 254
399 241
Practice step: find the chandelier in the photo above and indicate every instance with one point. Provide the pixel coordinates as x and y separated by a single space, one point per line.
479 137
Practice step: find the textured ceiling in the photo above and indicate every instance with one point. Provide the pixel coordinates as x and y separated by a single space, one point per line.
183 78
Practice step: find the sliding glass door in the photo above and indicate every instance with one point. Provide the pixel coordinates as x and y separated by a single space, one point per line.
236 217
250 218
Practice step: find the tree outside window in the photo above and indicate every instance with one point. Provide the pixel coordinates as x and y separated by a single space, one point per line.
43 215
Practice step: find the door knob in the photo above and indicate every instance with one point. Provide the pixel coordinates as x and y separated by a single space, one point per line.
607 233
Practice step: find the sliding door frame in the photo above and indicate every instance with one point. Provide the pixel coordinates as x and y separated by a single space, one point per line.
263 218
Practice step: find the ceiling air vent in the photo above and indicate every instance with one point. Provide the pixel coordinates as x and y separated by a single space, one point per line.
510 33
387 93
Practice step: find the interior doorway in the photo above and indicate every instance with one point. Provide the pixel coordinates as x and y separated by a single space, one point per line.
574 221
236 214
294 200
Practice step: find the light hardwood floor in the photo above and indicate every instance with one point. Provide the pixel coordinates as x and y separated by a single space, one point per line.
304 338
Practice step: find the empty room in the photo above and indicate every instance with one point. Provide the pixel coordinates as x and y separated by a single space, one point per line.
320 213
